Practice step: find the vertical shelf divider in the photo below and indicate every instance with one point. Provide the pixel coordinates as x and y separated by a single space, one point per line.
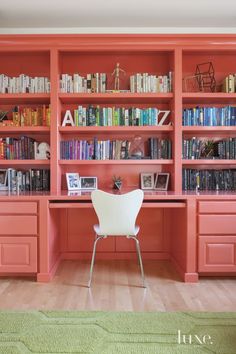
55 118
177 120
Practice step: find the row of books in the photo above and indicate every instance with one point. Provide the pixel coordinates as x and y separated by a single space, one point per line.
117 116
160 148
29 116
229 83
30 180
22 148
197 148
94 149
97 83
146 83
24 84
209 116
91 83
222 180
113 149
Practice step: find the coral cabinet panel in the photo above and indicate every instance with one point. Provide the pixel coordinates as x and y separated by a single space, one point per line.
224 207
18 254
217 224
18 225
217 254
18 208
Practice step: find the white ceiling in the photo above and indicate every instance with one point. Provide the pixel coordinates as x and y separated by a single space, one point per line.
117 15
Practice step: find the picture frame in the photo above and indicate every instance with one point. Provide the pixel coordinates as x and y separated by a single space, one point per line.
147 180
88 183
161 181
3 179
73 181
74 193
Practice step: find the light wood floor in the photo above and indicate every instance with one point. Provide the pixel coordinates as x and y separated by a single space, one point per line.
116 288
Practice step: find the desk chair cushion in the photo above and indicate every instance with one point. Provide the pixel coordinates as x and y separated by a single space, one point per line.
98 231
117 213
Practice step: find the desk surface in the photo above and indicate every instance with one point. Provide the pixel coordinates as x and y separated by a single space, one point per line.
149 195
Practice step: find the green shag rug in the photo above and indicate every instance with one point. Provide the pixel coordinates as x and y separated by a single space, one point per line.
117 332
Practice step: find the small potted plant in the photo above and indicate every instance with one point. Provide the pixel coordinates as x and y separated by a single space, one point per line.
208 149
117 182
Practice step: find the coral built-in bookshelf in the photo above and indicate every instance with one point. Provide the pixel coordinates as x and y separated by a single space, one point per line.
78 74
203 224
77 77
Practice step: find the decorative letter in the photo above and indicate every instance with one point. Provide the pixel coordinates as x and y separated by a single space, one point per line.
68 119
165 115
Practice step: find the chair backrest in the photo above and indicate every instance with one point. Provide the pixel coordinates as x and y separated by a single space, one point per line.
117 213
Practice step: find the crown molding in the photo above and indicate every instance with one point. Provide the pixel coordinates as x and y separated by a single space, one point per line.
121 30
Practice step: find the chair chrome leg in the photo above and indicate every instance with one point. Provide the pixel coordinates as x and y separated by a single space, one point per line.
140 259
97 238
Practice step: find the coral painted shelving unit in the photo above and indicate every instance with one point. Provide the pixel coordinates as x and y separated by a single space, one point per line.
191 240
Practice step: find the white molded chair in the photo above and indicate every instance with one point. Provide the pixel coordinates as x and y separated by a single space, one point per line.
117 215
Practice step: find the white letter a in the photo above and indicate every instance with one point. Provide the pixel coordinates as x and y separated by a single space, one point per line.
68 119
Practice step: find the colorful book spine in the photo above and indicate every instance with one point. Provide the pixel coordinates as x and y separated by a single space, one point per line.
209 116
116 116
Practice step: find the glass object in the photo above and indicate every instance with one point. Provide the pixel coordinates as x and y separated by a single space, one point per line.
136 148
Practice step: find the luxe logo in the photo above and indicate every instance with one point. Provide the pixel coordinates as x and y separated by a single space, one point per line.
193 338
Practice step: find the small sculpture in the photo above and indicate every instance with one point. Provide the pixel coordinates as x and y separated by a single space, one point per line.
116 74
205 75
42 151
203 80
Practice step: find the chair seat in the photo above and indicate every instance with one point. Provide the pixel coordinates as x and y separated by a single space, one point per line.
98 232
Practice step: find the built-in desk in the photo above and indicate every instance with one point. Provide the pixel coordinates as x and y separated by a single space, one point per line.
165 231
195 231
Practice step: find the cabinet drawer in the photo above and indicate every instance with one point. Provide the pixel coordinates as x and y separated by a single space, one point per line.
217 254
217 224
18 207
18 225
217 207
18 254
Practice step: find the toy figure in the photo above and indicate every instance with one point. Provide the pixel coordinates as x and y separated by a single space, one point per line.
116 73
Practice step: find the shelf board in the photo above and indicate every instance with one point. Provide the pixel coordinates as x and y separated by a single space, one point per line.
24 162
209 128
206 97
208 162
117 129
23 98
115 162
115 97
13 129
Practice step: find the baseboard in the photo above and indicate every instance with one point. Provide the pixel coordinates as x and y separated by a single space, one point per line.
186 277
47 277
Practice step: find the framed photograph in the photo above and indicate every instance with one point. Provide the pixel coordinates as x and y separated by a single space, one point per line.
88 182
147 180
3 179
73 181
161 181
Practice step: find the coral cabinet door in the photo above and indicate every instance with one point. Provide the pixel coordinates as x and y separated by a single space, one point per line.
217 254
18 254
